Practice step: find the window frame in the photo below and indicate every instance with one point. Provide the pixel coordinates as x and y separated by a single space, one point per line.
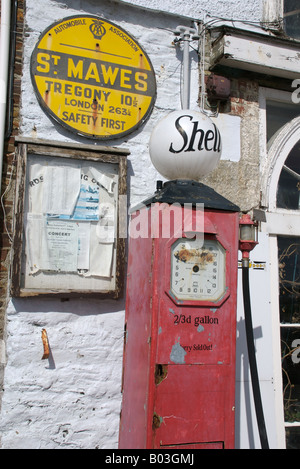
273 16
287 15
86 153
279 222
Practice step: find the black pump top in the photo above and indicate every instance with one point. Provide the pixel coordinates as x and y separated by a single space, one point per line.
182 191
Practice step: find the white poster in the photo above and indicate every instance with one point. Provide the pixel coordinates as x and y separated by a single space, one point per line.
83 259
70 223
101 256
36 176
61 189
105 229
60 246
34 227
105 181
87 202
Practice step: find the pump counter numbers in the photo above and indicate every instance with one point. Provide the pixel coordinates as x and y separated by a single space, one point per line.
197 270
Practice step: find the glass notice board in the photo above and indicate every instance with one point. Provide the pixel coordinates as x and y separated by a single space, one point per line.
67 220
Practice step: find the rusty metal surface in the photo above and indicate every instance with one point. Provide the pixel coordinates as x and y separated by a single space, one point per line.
179 377
137 345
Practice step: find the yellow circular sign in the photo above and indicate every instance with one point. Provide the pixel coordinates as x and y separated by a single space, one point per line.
92 77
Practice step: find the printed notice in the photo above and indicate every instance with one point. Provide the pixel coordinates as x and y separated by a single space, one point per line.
87 204
34 228
60 246
83 259
61 190
70 224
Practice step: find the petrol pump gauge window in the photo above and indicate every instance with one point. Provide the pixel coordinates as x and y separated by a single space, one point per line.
197 269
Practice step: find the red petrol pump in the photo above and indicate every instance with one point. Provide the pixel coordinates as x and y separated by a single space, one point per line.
179 353
180 323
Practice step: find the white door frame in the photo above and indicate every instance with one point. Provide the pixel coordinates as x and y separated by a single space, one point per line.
278 222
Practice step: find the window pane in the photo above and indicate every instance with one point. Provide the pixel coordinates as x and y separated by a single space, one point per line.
289 296
290 5
279 114
289 279
292 20
290 341
292 26
288 192
293 438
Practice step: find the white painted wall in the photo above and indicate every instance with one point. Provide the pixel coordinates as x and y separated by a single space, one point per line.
73 399
238 10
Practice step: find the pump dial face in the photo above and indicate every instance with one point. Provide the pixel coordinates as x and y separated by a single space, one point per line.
197 269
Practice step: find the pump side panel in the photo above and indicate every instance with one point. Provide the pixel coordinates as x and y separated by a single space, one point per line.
194 388
191 407
136 345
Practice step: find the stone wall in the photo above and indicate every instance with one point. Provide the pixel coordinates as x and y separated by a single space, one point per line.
7 185
73 399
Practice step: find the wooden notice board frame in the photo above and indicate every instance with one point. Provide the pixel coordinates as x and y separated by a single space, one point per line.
64 247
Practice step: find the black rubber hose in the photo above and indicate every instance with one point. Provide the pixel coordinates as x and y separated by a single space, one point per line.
252 361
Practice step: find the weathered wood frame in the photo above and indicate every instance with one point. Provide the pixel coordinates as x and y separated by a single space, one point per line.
26 146
258 53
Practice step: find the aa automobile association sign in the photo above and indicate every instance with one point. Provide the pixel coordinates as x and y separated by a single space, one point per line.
92 77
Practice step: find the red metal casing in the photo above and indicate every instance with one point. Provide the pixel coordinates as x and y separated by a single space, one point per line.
187 401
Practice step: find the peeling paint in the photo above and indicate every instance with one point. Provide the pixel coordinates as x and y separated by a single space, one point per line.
178 354
200 328
221 297
161 373
180 302
157 421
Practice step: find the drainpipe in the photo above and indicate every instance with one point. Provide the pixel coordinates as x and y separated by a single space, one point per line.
4 63
186 35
